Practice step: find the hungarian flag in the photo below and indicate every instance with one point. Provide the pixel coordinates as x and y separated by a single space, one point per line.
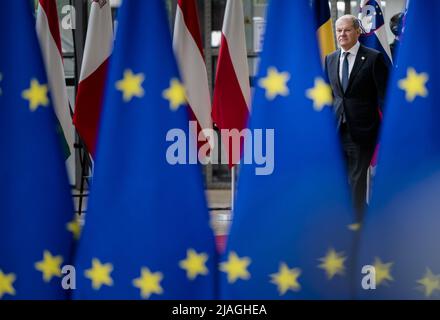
48 31
97 51
231 103
188 48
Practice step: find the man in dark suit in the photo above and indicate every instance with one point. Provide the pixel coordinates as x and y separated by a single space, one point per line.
358 77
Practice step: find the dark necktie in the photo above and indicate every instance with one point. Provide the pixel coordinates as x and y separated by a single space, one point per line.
345 71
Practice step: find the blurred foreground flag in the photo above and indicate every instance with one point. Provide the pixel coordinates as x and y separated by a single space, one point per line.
147 233
401 236
291 233
36 206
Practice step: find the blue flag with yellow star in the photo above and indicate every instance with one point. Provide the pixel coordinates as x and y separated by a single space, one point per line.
147 233
292 229
401 233
36 205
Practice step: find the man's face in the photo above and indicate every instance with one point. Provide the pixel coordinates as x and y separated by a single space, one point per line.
346 34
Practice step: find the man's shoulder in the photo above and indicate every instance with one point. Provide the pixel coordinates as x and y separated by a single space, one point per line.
333 54
369 51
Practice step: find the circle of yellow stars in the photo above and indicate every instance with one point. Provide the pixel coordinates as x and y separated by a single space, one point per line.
194 264
286 279
414 84
74 227
99 274
149 283
333 263
383 271
429 283
275 83
6 284
36 94
50 266
321 94
354 226
175 94
131 85
236 267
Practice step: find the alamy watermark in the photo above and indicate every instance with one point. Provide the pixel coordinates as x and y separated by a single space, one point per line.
68 21
257 147
367 16
369 280
68 282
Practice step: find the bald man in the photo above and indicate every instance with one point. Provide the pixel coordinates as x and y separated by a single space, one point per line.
358 77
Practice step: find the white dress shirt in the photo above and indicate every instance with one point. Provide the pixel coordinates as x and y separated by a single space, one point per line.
351 58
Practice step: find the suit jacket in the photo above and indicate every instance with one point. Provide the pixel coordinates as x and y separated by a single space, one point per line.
364 95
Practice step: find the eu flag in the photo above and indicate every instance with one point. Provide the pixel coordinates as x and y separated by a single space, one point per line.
146 233
401 233
36 214
292 229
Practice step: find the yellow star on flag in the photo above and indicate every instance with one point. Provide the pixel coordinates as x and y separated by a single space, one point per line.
286 279
131 85
75 227
149 283
383 271
50 266
194 264
354 227
414 84
36 94
321 94
236 267
6 281
333 263
430 283
99 274
175 94
275 83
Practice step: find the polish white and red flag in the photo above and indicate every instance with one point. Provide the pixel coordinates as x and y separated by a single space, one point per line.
188 49
49 37
231 101
97 51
